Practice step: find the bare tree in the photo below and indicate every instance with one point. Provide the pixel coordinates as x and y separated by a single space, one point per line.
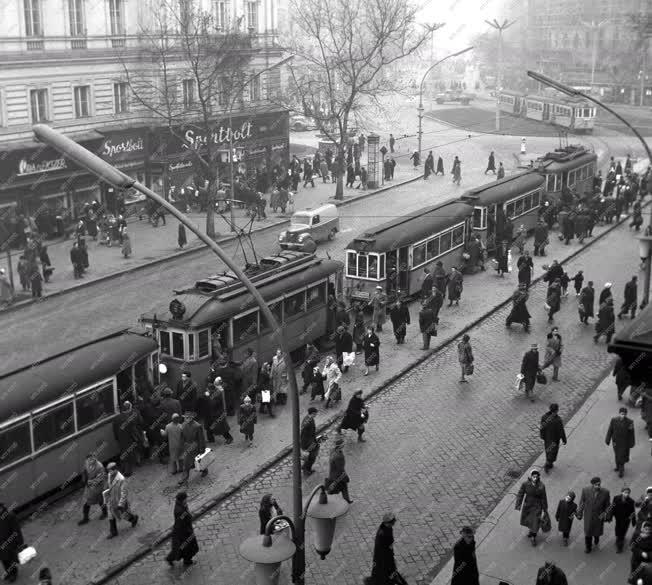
190 68
344 52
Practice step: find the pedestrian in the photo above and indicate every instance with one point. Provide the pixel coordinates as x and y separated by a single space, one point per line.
247 419
392 141
371 346
578 279
553 299
501 172
586 302
128 433
309 441
46 264
383 571
564 281
551 574
440 166
621 433
540 238
594 504
350 175
644 514
566 512
308 176
265 387
279 378
194 444
249 371
172 432
317 384
426 284
184 542
465 357
551 430
519 312
525 267
427 324
356 416
530 369
465 564
605 293
323 169
332 375
502 258
440 277
182 240
36 281
399 315
429 166
606 322
187 392
457 171
637 216
415 157
623 510
532 499
343 345
126 244
623 378
338 480
379 306
491 163
117 500
554 348
268 509
11 542
455 286
641 570
630 302
169 405
211 411
94 480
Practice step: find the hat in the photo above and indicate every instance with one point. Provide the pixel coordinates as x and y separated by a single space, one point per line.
534 346
595 480
175 416
388 517
535 472
648 490
467 530
622 410
189 414
247 399
607 285
112 465
379 287
554 407
312 410
167 392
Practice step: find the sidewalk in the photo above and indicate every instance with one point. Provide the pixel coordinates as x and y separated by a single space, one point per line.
504 552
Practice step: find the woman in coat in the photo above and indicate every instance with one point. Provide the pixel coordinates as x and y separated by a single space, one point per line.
554 348
383 570
126 244
338 480
219 424
465 564
606 322
533 502
525 267
182 240
268 509
519 312
455 280
11 542
247 419
356 415
94 478
332 375
586 302
553 300
184 543
279 376
465 356
400 317
371 346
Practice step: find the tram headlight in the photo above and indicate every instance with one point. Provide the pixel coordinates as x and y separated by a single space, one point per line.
162 369
282 236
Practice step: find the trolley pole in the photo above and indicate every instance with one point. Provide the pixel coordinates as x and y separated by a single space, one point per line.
499 74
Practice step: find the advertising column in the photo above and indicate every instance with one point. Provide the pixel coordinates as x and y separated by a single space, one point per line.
373 167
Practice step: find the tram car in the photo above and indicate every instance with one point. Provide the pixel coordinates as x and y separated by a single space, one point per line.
394 254
575 114
60 409
517 197
218 317
573 167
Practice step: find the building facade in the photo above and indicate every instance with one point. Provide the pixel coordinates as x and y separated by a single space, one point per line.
71 64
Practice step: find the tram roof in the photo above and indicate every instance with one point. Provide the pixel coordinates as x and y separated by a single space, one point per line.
571 162
204 309
404 230
504 190
636 336
30 387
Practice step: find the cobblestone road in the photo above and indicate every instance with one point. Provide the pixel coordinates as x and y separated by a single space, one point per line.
439 454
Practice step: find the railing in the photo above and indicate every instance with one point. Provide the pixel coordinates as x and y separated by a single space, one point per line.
78 44
35 45
118 43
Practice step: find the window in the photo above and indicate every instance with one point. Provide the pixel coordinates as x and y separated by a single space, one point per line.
509 210
518 207
95 405
33 19
444 242
177 346
53 425
164 342
277 310
254 92
203 348
82 101
316 296
221 14
381 273
38 99
15 443
252 15
536 199
458 236
373 266
294 305
432 248
315 219
362 266
351 264
478 213
121 97
223 95
76 17
418 255
191 346
116 17
188 87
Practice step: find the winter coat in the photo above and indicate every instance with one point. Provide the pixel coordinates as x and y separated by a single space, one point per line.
94 478
519 312
439 278
354 414
593 508
624 512
540 234
532 501
554 349
455 286
621 433
128 430
530 364
551 430
464 353
465 564
400 317
308 433
606 320
587 301
182 240
170 406
337 476
384 563
554 298
551 576
332 374
525 267
184 542
631 293
126 245
118 499
343 343
426 286
427 321
566 512
215 411
249 371
247 418
187 395
371 346
379 303
192 436
279 375
175 444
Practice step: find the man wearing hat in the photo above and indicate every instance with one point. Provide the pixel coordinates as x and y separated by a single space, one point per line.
384 564
192 438
465 565
338 480
128 432
172 432
623 437
605 293
308 439
117 502
343 344
593 508
551 430
187 392
551 574
529 369
169 405
379 305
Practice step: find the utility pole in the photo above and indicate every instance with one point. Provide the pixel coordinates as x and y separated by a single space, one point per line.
499 75
594 27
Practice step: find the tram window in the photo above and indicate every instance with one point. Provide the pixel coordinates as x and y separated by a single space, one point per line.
418 254
95 405
362 266
458 236
518 207
509 210
444 242
381 273
432 248
191 346
15 443
536 199
277 310
294 305
527 203
54 425
164 342
477 217
352 264
316 296
177 346
373 266
202 343
245 327
219 338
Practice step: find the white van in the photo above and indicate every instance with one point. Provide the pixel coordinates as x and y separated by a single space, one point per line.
310 226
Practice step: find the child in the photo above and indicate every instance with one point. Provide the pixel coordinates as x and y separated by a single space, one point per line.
566 511
247 420
578 279
565 280
624 511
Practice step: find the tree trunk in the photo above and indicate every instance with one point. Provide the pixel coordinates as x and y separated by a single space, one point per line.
340 169
210 209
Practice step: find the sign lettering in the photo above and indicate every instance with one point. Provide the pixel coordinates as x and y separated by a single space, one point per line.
219 136
110 150
26 167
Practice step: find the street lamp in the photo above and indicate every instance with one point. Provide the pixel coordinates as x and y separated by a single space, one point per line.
420 109
499 76
572 92
118 179
268 553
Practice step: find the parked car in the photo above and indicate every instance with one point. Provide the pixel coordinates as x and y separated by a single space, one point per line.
310 226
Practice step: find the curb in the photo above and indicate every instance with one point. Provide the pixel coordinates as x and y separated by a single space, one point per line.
118 568
191 251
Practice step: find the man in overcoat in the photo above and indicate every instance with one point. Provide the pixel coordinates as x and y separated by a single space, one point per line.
551 430
530 368
94 478
400 317
187 392
623 437
117 500
383 571
309 442
128 432
11 541
379 304
192 437
343 344
593 508
629 304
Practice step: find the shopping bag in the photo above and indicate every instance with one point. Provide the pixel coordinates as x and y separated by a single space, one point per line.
546 307
468 370
265 396
205 459
348 358
541 378
519 382
26 555
546 524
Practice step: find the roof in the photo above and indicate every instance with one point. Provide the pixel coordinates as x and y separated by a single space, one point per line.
504 190
637 335
33 386
407 229
204 309
554 166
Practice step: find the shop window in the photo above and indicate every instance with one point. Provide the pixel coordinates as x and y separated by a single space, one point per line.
444 242
245 327
177 346
15 443
418 255
432 248
203 347
164 342
294 305
94 405
458 236
54 425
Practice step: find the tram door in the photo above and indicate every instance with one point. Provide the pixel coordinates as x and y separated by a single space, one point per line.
403 270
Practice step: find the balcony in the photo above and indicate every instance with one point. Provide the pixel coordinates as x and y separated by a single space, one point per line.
118 42
35 45
78 43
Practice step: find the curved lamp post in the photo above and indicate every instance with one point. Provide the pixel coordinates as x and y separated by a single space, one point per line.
572 92
118 179
420 108
268 553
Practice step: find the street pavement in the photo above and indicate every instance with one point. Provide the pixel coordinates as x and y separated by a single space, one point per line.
154 489
438 453
503 551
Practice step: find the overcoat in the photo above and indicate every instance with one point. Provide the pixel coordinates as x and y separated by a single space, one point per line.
118 496
192 435
455 285
95 483
593 508
184 543
564 515
280 382
586 301
371 345
175 444
553 351
11 537
379 303
532 500
465 564
621 433
353 418
384 563
551 430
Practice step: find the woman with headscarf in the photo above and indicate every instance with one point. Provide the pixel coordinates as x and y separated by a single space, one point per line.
356 416
532 499
371 346
268 509
184 543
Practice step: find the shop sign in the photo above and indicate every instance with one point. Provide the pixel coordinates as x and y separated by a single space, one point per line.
121 146
279 146
26 167
255 151
179 166
221 135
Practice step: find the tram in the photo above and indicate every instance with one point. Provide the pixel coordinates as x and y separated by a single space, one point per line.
575 114
407 245
217 316
573 167
58 410
517 197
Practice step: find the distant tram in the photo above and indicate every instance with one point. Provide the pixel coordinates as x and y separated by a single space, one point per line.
575 114
217 316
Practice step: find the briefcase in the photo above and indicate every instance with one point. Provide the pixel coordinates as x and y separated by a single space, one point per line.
203 461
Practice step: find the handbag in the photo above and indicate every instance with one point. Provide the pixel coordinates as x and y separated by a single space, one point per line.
546 524
518 382
468 369
348 358
541 378
26 555
265 396
205 459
